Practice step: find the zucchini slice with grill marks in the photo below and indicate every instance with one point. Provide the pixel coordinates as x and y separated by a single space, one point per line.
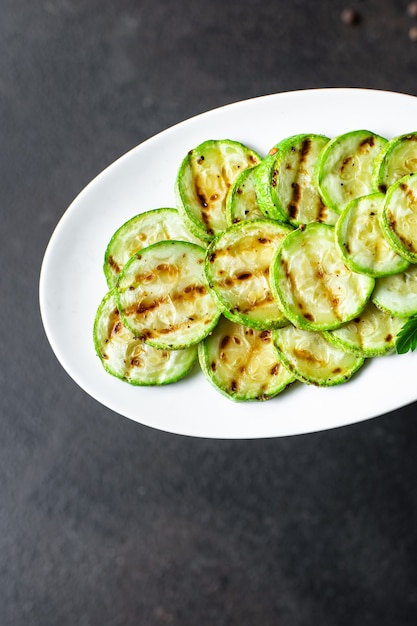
237 268
344 168
126 357
398 217
203 181
397 159
312 359
372 333
311 282
361 240
242 363
263 188
163 297
241 201
293 190
141 231
397 294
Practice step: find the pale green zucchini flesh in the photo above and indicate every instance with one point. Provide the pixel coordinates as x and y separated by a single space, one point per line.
312 359
309 278
398 217
126 357
397 294
204 178
163 297
397 159
237 268
372 333
139 232
242 363
362 241
344 168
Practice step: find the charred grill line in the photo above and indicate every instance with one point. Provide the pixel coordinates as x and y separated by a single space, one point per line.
259 303
321 210
230 281
368 141
141 308
114 265
293 208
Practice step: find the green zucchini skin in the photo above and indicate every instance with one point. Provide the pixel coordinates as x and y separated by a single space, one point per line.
361 240
141 231
397 159
312 359
130 359
203 180
344 168
163 296
310 280
398 217
237 268
241 362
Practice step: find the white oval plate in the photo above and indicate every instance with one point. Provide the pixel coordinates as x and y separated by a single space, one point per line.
72 282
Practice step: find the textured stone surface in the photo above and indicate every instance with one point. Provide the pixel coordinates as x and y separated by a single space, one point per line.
104 522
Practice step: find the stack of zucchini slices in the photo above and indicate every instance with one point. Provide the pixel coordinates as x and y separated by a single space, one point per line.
297 266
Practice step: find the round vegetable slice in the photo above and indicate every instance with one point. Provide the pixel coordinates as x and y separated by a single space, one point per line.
264 190
310 280
397 294
312 359
163 297
237 268
242 363
126 357
372 333
141 231
293 190
397 159
203 180
398 217
241 201
344 168
361 240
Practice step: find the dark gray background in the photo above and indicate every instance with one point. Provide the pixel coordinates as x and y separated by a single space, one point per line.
104 522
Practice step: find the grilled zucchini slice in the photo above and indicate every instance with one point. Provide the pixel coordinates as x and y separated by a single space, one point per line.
241 362
362 242
203 181
241 201
264 190
344 168
372 333
397 294
141 231
237 268
397 159
310 280
312 359
293 190
398 217
163 297
126 357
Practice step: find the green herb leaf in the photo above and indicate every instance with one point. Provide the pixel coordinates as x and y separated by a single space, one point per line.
407 337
